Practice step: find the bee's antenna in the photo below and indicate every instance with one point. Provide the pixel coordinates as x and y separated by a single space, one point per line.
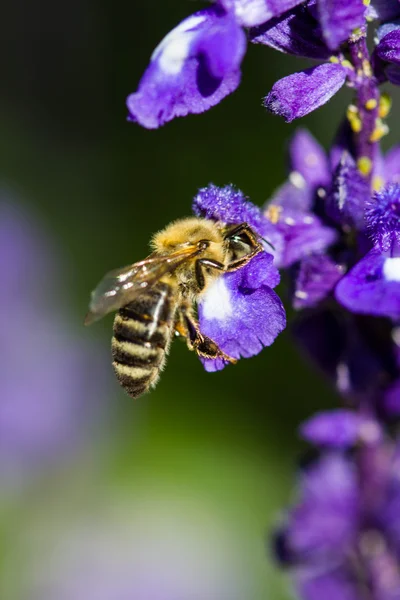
268 243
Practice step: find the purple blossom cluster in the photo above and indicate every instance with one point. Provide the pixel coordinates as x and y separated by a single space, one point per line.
335 226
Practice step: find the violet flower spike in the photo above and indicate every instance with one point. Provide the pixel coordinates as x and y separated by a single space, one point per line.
342 538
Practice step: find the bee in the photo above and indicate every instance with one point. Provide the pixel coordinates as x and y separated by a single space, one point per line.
155 298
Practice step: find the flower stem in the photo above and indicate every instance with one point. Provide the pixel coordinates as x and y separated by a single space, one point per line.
366 124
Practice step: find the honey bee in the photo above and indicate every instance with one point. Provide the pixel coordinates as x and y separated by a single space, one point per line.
156 297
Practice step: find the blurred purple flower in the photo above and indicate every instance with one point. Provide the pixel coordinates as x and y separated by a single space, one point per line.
240 311
340 428
342 539
51 392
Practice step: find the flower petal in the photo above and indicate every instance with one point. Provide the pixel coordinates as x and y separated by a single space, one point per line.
303 234
372 287
301 93
350 191
339 428
293 194
192 69
316 278
229 205
309 159
355 354
240 312
388 48
391 400
297 32
386 28
392 73
250 13
325 519
392 165
343 142
333 582
386 9
382 215
338 19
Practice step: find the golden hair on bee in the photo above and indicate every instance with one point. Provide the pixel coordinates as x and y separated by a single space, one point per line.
188 231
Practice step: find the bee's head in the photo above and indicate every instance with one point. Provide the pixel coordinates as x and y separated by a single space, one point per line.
187 232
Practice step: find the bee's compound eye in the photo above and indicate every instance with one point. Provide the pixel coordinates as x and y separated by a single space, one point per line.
240 244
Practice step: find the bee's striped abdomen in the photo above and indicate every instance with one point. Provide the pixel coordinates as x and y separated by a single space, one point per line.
142 335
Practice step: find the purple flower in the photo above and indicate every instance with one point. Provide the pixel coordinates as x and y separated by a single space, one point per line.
373 284
343 536
301 93
198 63
315 278
387 52
315 30
296 32
340 428
312 29
194 67
358 355
350 191
385 9
50 388
240 311
339 18
290 209
382 214
255 12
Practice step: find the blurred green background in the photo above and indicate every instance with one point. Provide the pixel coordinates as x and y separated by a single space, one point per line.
206 460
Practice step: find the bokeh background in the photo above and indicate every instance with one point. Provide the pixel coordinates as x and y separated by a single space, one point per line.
171 497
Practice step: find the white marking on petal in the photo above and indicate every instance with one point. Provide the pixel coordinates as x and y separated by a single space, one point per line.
391 269
300 294
216 303
297 180
251 12
396 336
173 50
290 221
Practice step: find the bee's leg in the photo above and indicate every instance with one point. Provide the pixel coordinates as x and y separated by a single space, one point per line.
232 230
241 262
214 264
199 266
201 344
237 230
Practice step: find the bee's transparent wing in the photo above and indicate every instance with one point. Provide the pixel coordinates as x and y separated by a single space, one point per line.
121 286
